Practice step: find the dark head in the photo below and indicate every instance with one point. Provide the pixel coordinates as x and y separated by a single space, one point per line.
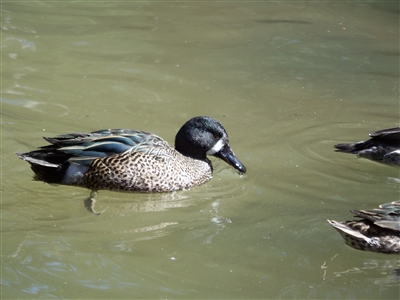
202 136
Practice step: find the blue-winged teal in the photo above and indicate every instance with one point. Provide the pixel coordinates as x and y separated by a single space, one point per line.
133 161
383 146
377 231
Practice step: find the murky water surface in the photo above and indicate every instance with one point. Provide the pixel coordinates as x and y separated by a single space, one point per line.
288 80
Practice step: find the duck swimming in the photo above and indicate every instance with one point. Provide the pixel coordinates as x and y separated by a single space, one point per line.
133 160
378 230
383 146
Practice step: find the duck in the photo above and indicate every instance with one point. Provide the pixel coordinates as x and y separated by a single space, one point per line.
377 230
383 147
126 160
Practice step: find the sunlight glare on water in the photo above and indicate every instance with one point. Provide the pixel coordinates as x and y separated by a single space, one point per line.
287 80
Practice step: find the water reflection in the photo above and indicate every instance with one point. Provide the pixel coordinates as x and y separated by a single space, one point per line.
151 203
380 272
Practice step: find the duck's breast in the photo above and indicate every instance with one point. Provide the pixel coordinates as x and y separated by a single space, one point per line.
157 171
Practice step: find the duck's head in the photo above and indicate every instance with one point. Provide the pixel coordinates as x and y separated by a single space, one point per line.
202 136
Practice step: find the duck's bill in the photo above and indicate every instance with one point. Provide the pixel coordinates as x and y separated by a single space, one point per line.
227 155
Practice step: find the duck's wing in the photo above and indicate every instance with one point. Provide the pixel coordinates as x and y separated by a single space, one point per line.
82 148
386 216
103 143
386 138
389 134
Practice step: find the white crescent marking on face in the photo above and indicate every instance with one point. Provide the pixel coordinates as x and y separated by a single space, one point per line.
216 148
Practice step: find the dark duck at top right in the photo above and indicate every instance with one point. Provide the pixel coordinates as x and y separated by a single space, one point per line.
383 147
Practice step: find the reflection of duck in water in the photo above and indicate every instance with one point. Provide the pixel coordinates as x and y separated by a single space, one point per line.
383 146
133 161
378 230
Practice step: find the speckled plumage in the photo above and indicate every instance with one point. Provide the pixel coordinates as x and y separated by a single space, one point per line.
378 230
383 146
160 171
133 160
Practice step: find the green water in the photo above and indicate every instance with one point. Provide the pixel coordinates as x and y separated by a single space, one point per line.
288 80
